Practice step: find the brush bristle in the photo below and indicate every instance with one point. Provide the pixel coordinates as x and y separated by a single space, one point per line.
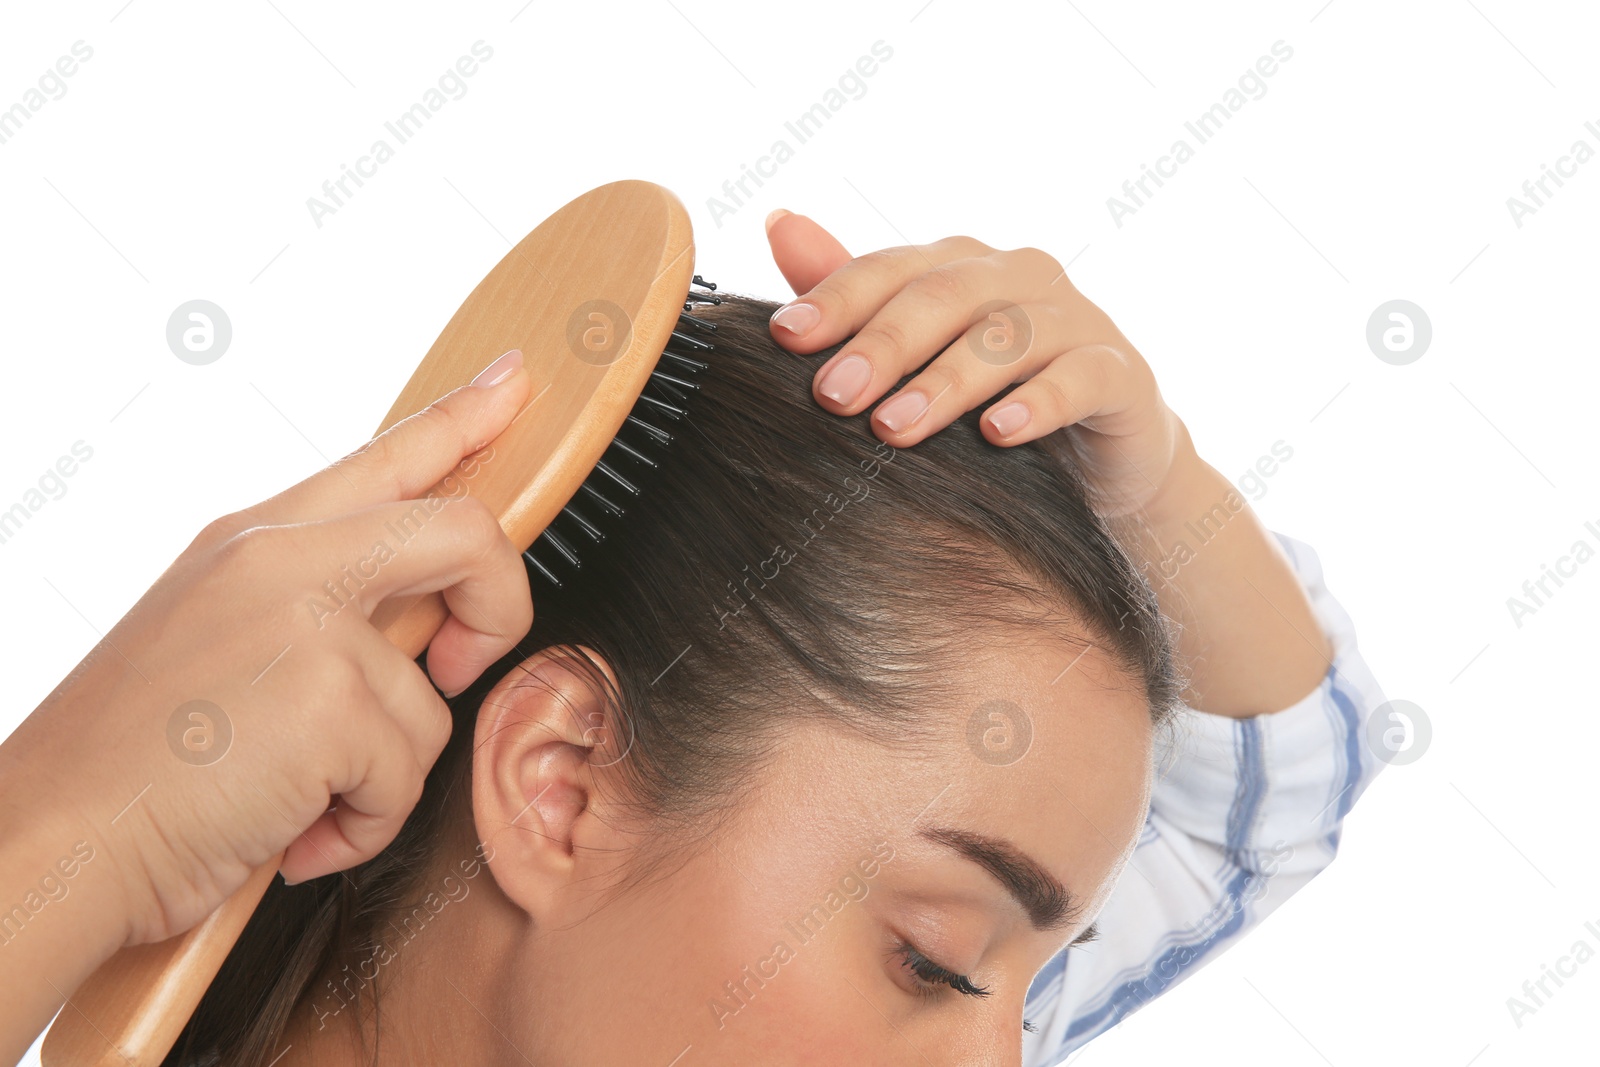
623 469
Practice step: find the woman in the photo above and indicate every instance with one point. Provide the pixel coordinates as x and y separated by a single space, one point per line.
829 755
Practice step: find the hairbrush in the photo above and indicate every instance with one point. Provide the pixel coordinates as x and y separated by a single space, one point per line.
598 297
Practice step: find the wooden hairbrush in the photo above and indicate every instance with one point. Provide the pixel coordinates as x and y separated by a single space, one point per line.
593 297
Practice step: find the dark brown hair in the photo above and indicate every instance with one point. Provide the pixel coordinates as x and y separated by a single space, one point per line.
781 562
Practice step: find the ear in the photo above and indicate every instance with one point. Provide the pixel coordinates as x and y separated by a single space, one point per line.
545 739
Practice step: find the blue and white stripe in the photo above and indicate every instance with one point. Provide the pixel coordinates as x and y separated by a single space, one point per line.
1246 803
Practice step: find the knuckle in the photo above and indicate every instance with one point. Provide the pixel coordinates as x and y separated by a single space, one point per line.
835 294
884 259
438 424
885 335
1111 363
524 617
1143 374
479 528
1054 396
1037 260
221 530
1094 375
483 524
416 782
962 245
841 292
440 727
937 381
344 684
379 455
379 451
439 417
250 546
1133 369
946 283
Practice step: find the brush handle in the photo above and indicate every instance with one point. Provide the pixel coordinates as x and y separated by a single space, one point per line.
624 251
138 982
141 983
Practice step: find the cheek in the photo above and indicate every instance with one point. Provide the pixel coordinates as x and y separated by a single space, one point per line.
720 959
818 1001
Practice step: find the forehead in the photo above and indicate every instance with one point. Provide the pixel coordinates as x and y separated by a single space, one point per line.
1034 737
1050 746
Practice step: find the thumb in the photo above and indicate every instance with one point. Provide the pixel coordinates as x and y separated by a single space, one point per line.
412 455
803 250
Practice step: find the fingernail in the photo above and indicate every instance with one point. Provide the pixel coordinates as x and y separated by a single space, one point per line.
845 379
1009 419
798 319
777 213
499 370
903 410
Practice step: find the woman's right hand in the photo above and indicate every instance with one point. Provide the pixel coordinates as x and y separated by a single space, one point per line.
305 701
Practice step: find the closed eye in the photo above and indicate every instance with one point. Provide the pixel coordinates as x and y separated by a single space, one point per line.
929 975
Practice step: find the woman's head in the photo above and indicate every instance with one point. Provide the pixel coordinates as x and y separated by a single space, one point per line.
813 701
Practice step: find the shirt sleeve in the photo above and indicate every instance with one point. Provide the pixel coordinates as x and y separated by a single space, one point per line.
1244 813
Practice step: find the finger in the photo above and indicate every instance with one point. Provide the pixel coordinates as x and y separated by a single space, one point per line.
461 650
1008 344
804 251
921 320
372 805
1095 382
439 544
841 303
928 314
405 696
411 456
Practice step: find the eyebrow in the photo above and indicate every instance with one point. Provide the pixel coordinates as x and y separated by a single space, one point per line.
1040 893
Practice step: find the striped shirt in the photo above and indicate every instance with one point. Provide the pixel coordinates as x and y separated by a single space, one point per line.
1245 813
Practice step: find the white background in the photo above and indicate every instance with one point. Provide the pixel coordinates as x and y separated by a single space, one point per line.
1376 166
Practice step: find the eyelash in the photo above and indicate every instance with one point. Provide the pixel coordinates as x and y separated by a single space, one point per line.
931 974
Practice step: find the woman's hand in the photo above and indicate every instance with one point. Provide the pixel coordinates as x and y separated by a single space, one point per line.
264 619
987 320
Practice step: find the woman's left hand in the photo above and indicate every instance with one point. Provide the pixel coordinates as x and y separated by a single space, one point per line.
988 319
977 320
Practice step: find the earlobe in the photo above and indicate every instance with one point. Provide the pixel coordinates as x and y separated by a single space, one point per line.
533 772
